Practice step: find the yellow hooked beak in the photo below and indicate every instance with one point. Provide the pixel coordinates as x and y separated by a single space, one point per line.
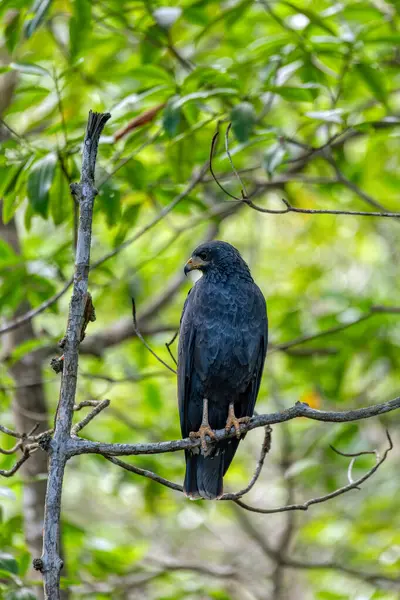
193 263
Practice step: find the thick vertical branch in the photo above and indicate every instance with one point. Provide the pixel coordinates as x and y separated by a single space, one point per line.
85 192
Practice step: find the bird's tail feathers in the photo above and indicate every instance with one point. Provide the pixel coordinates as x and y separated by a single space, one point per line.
204 474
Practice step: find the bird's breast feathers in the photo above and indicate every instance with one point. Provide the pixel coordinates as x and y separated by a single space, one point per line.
228 324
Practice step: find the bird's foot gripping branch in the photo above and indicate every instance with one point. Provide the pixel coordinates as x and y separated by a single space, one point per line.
63 443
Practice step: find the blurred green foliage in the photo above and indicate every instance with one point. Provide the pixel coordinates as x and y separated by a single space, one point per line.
291 77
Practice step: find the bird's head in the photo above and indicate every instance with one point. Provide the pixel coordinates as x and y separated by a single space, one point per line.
219 258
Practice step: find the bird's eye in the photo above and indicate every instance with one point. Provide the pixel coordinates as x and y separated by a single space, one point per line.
203 255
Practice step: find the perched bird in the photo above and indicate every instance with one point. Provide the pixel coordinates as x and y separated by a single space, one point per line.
222 346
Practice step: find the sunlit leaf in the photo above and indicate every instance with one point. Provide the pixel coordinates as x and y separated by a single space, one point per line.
28 68
374 80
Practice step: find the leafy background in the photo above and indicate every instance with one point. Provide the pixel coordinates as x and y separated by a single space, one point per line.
292 77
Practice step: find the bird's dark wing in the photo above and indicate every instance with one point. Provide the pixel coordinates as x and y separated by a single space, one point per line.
258 338
187 336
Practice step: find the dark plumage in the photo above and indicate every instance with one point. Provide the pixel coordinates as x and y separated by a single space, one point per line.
222 346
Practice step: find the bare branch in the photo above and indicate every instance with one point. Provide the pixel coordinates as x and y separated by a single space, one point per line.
300 409
8 431
242 186
213 146
168 346
265 448
30 314
20 443
85 192
174 486
141 338
305 505
17 465
79 426
246 198
313 211
374 310
145 473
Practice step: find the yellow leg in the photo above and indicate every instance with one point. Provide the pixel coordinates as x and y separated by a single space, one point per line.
205 428
233 421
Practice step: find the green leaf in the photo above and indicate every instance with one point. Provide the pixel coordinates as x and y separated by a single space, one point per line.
7 254
40 180
374 80
39 289
109 202
128 220
135 174
171 116
243 117
312 16
60 200
79 25
39 9
8 563
204 95
9 179
12 30
295 94
29 68
149 75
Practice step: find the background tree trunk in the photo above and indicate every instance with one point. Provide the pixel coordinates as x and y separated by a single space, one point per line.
29 408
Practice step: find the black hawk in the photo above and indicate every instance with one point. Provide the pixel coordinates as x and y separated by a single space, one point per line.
222 346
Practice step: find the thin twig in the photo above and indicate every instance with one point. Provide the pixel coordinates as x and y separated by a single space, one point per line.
374 310
246 198
145 473
242 186
265 448
30 314
17 465
212 150
79 426
168 346
305 505
313 211
141 338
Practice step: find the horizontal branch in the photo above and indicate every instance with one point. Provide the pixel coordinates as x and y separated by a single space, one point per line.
77 445
313 211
